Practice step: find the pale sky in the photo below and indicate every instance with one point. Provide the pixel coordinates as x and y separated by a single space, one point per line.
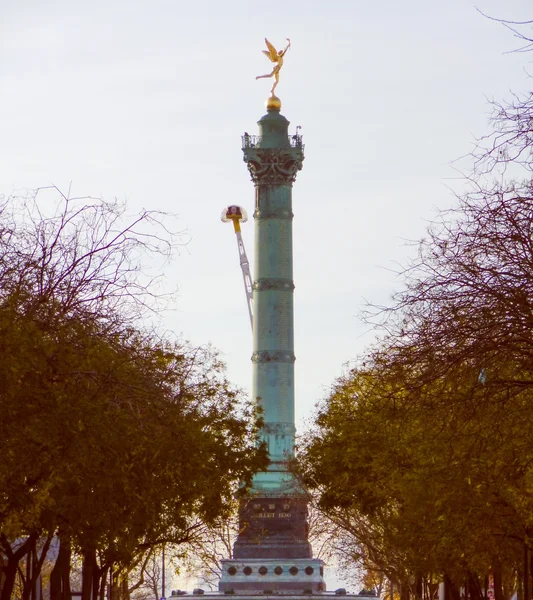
147 100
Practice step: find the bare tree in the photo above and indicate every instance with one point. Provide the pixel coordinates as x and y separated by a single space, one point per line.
468 294
510 143
203 556
84 254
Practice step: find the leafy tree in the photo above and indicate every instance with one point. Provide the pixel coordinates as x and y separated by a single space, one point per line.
113 439
422 452
422 484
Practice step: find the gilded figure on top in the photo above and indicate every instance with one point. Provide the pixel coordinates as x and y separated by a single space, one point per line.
276 57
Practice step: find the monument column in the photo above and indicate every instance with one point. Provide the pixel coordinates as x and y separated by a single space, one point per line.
272 550
274 518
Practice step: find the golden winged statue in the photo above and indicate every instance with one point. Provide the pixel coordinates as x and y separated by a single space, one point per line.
277 58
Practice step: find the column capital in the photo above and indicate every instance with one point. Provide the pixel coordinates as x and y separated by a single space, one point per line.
273 166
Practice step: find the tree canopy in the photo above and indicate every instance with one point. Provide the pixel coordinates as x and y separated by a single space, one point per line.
422 453
112 438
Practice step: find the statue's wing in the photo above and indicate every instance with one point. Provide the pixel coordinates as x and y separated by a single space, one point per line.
272 52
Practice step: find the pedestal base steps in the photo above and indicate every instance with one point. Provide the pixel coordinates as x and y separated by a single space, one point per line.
304 576
277 595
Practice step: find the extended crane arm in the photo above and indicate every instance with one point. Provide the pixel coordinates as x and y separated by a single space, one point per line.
247 278
236 214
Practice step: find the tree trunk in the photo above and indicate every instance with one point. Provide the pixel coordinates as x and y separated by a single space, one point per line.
498 587
29 581
528 567
2 576
520 584
447 585
455 591
125 591
90 578
451 591
55 581
33 569
12 563
10 574
97 572
474 587
115 589
523 580
26 588
432 590
418 587
103 581
60 575
404 590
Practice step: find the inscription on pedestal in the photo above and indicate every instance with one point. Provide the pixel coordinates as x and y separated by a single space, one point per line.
273 528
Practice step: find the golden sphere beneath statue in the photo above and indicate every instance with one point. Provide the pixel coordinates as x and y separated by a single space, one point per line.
273 103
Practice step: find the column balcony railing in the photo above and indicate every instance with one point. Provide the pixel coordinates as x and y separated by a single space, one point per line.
252 141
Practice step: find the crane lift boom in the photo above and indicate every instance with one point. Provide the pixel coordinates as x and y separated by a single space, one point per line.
237 214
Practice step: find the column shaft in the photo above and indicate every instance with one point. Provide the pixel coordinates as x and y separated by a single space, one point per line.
273 344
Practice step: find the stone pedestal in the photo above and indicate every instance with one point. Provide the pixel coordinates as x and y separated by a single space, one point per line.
273 527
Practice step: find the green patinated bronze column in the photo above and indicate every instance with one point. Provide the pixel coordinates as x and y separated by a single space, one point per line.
274 518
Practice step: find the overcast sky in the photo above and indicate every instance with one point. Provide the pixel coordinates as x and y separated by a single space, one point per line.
147 100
